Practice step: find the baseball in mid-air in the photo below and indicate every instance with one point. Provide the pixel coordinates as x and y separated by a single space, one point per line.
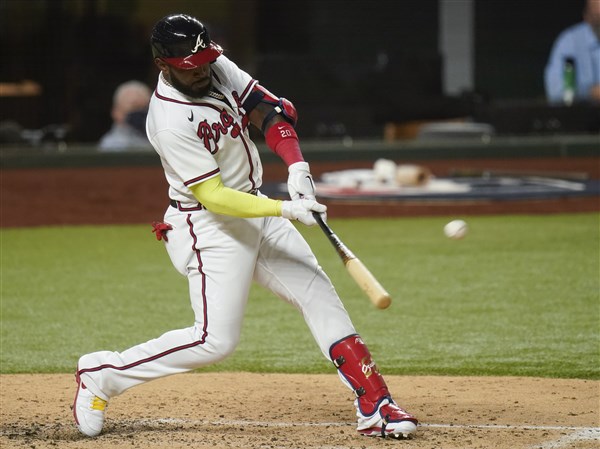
456 229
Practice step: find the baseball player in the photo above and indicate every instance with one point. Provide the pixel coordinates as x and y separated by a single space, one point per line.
222 233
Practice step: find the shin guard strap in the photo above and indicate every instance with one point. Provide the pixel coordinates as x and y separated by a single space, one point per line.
339 361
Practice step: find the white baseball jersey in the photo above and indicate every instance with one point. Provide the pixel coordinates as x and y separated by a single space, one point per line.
200 138
219 255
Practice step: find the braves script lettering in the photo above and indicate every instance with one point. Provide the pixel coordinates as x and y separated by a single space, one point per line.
211 133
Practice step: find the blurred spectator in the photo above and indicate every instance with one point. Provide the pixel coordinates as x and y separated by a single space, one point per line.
579 43
129 110
11 132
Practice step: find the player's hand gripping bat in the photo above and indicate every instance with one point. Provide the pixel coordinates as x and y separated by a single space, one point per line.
361 275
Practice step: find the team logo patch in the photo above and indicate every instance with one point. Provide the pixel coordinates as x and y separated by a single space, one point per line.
368 367
199 43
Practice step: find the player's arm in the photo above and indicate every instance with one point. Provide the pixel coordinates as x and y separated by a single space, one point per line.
219 199
277 117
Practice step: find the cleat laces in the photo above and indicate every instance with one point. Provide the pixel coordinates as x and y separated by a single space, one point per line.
98 404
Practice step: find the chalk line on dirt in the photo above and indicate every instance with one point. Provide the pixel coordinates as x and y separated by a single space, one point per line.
593 432
577 433
590 434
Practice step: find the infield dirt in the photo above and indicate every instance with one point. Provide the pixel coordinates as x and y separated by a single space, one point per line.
271 411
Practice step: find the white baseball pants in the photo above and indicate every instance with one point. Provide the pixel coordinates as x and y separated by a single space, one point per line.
221 256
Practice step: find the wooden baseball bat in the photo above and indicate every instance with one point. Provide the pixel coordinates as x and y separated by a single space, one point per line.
361 274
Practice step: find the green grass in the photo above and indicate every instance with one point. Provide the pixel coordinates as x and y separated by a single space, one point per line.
518 296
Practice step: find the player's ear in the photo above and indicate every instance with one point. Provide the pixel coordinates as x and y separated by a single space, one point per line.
162 65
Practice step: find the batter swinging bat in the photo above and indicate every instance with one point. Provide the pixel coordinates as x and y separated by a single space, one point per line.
361 274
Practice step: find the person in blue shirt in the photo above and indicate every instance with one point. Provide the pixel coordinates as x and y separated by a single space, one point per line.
581 44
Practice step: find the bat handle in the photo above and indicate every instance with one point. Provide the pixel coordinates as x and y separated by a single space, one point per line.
319 219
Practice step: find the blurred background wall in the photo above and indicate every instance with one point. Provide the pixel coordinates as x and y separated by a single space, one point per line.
344 63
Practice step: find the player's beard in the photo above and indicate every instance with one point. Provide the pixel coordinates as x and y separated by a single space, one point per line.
196 90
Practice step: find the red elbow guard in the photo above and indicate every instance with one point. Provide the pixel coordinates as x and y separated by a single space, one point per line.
283 140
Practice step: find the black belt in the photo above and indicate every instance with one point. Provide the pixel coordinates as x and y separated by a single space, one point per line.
178 205
182 208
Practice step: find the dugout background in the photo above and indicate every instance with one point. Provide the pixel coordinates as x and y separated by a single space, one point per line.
347 60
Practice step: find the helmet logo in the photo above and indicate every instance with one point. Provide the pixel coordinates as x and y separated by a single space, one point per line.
199 43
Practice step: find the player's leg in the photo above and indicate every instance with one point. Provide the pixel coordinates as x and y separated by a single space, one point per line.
287 266
219 268
378 414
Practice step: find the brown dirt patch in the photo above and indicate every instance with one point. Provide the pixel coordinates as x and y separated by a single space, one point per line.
255 411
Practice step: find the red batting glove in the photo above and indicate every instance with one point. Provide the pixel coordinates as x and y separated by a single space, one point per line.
161 229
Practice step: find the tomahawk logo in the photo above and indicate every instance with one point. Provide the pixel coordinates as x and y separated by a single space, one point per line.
199 43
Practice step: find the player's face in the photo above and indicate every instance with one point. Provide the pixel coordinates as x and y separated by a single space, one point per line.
193 82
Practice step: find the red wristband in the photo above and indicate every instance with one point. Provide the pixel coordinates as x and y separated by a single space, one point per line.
283 140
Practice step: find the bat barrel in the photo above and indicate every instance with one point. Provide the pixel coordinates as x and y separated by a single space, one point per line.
358 271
